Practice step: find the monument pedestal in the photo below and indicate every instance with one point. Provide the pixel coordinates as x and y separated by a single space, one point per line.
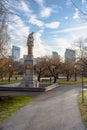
29 79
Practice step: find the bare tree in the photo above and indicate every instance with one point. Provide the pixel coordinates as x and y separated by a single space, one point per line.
81 46
41 67
5 12
4 38
53 64
68 68
81 8
6 67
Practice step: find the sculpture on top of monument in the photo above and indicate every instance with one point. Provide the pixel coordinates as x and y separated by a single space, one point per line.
30 43
30 39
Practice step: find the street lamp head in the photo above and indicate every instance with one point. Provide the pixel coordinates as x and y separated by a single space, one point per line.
75 66
9 65
82 70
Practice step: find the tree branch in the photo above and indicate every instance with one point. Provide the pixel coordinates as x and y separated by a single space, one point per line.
83 13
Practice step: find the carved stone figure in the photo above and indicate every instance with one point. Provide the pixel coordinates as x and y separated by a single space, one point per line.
30 43
30 39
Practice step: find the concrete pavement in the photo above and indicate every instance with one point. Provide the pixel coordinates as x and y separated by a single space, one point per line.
53 110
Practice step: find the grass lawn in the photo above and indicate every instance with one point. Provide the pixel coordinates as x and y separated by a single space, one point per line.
6 82
65 82
10 104
71 81
59 81
83 107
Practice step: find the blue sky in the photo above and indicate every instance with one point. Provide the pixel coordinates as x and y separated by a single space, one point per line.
55 23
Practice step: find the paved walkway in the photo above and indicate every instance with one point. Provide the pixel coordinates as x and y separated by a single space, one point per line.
53 110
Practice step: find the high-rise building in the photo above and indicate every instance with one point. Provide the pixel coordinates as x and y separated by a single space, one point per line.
70 55
85 51
16 53
54 53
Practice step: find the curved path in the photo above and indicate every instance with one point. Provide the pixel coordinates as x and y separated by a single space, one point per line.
53 110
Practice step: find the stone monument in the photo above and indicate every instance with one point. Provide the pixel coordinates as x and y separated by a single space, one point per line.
29 79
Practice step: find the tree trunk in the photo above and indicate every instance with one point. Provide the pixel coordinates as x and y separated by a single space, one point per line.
68 77
39 78
9 78
57 76
54 79
1 76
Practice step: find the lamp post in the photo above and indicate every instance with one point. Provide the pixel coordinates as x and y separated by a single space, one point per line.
54 73
9 72
82 87
75 73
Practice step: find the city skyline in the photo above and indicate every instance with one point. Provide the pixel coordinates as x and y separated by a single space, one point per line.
16 53
70 55
56 25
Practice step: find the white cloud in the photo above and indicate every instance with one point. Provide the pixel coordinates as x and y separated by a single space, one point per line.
23 50
62 44
13 37
78 34
24 6
83 1
33 20
71 29
18 27
17 21
46 12
66 17
57 44
76 14
52 25
11 27
39 48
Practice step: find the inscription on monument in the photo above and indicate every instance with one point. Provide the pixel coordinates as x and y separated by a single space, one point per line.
29 69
